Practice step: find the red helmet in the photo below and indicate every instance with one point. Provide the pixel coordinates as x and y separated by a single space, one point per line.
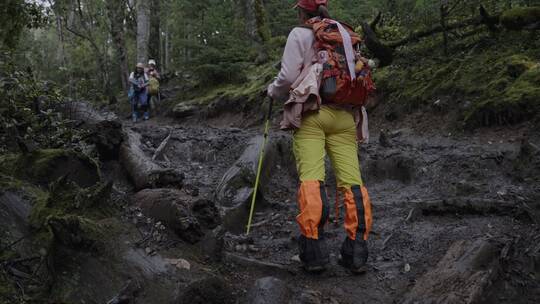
311 5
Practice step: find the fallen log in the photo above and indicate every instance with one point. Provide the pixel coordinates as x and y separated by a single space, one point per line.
84 112
142 170
463 275
161 147
105 128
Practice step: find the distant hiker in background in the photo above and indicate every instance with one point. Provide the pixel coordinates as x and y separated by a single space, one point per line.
327 83
152 70
153 85
138 93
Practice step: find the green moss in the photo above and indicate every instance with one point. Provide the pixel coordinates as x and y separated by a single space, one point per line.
258 79
9 183
526 88
66 197
43 166
263 30
7 163
514 95
77 232
69 215
499 81
36 163
8 293
40 163
518 17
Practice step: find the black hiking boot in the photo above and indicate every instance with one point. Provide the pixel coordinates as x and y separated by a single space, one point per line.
313 254
354 255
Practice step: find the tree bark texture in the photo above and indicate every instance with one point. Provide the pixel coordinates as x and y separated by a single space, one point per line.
143 30
444 14
381 51
250 20
257 27
155 30
116 15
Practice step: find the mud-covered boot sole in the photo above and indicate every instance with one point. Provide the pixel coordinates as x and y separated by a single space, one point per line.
314 269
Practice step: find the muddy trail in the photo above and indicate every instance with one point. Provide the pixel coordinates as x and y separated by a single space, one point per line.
455 217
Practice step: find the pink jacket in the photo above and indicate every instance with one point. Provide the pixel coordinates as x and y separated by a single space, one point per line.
298 84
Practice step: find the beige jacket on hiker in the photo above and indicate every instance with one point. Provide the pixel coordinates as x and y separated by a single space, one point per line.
299 87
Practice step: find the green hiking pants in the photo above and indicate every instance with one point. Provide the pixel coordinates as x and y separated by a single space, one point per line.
331 131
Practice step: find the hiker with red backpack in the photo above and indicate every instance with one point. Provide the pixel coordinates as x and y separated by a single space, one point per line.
325 83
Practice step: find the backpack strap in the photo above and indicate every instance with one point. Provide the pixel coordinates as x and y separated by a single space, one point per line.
347 45
307 26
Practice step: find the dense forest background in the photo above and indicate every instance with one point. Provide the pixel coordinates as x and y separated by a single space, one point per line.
87 46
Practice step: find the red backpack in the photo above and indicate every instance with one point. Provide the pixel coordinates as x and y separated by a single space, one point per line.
340 85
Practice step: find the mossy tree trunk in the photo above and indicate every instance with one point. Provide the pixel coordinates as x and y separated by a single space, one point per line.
521 18
444 12
116 15
155 30
143 30
257 27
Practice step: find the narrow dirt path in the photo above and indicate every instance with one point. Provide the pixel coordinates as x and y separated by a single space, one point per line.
415 183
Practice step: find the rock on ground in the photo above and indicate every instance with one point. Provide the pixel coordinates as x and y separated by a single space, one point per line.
186 216
182 110
461 276
212 290
14 212
268 290
47 165
107 136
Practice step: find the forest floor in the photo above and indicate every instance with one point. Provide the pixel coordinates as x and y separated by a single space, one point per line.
454 215
456 220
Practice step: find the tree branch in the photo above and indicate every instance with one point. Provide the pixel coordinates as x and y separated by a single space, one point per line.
425 33
381 51
373 24
490 21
